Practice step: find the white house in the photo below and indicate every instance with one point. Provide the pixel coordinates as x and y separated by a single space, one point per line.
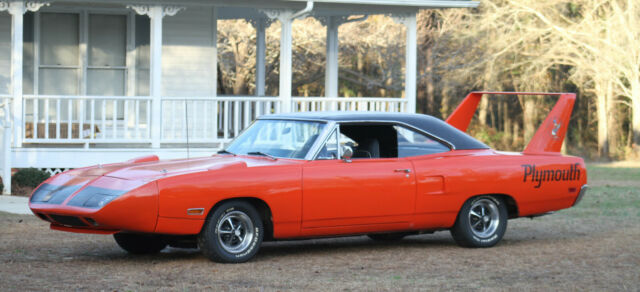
96 81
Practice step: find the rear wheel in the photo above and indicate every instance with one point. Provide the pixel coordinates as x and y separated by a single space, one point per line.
232 233
482 222
140 243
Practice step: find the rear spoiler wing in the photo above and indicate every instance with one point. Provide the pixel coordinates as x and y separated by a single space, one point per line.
549 136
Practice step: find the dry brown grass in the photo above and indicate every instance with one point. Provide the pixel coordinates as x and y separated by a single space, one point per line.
554 252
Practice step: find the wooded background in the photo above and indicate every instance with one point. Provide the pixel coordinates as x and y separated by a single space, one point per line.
590 47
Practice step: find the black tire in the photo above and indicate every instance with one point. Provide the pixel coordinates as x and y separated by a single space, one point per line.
225 242
140 243
387 236
476 227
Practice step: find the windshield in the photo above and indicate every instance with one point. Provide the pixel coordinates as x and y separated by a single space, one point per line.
277 138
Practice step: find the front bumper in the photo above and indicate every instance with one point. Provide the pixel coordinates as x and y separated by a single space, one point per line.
136 211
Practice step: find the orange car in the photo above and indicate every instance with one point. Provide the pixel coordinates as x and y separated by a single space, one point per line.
322 174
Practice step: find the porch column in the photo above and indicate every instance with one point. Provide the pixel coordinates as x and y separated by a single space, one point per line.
155 68
156 13
17 10
411 59
331 75
286 74
260 25
286 20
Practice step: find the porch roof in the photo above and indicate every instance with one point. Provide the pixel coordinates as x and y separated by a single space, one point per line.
360 6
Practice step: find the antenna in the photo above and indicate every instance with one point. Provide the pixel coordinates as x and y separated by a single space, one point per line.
186 115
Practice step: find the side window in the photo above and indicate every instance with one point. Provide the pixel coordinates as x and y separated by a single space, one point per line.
412 143
330 148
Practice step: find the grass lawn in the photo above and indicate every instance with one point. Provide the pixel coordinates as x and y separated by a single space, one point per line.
614 192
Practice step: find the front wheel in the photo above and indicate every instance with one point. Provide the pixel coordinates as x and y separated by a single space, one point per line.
232 233
482 222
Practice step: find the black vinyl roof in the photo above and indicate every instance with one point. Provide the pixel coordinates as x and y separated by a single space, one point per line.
426 123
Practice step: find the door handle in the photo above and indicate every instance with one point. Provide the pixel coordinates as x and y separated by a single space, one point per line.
405 170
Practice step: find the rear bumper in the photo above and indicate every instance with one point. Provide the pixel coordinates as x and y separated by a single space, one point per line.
583 190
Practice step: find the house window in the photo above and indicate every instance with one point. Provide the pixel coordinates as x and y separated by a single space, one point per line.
85 53
59 66
107 55
5 53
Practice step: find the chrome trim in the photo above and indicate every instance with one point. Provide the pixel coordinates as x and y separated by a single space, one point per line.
320 141
583 190
326 122
313 152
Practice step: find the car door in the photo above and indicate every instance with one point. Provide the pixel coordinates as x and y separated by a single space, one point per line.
361 191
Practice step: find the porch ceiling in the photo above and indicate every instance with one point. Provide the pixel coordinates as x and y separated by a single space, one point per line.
321 7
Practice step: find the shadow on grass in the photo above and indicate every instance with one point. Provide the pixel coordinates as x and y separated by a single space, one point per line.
437 242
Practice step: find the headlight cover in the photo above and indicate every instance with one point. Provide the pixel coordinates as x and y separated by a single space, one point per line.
52 194
94 197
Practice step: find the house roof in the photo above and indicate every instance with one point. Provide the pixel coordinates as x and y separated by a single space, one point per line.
426 123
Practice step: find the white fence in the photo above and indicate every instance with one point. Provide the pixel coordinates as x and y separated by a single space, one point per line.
55 119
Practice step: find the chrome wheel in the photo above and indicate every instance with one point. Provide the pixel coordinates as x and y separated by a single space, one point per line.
484 218
235 232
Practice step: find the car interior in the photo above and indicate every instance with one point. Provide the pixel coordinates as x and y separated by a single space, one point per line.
369 140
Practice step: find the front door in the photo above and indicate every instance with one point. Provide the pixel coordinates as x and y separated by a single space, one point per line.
361 191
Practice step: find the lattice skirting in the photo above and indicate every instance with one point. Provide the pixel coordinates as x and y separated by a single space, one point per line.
54 171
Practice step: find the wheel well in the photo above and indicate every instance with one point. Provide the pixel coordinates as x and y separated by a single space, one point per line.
512 206
262 208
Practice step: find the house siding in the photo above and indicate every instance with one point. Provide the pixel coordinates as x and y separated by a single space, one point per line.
188 54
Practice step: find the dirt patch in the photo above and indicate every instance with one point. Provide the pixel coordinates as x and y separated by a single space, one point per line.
552 252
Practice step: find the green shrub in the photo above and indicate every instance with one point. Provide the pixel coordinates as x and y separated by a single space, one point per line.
29 177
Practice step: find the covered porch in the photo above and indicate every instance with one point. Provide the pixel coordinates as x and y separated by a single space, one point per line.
88 82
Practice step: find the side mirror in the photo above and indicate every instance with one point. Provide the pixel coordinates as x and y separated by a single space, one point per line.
347 153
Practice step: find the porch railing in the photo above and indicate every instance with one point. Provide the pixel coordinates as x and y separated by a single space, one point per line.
86 119
127 119
304 104
211 119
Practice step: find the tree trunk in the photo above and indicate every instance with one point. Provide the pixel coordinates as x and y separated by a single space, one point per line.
601 108
240 52
529 114
516 133
613 123
483 111
506 120
444 108
430 106
484 102
635 114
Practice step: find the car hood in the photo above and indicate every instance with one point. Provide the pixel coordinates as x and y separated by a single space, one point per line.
113 180
151 170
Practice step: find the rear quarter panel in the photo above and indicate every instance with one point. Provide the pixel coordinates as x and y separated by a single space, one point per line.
445 182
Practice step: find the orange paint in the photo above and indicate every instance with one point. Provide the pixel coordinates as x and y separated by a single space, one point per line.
331 197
